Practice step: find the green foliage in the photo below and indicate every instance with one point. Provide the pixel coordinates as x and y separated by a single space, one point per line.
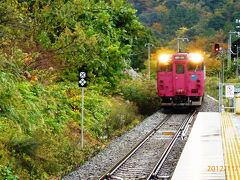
230 73
102 35
143 93
98 35
123 116
200 17
12 63
211 86
11 22
233 80
7 173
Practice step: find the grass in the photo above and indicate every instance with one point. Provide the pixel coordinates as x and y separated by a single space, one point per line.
211 86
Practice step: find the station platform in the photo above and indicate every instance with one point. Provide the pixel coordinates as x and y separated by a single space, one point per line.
212 150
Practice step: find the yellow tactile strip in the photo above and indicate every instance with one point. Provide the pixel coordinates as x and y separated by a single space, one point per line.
231 146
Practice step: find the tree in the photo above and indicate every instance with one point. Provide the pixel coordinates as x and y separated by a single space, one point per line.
99 35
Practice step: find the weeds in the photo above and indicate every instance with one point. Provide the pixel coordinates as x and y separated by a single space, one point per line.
7 173
143 93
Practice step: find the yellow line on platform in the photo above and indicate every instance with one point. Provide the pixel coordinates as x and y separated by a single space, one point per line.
231 146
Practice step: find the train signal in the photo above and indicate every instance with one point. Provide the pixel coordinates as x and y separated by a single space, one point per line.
216 48
82 79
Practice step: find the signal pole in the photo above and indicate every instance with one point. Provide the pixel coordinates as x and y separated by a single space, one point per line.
82 83
178 43
149 45
237 63
229 50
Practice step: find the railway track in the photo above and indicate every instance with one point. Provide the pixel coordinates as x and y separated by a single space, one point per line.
146 159
180 132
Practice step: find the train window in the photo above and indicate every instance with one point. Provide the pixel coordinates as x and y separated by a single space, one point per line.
179 68
195 67
165 68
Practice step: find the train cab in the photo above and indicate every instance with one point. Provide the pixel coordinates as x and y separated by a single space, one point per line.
180 79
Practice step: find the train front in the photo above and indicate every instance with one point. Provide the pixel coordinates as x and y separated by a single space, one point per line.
180 79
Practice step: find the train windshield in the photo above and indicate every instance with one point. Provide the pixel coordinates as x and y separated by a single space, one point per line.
165 67
179 68
195 67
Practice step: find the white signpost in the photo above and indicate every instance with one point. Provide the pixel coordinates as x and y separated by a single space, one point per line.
82 83
229 91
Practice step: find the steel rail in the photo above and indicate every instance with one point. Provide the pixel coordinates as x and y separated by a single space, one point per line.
159 164
110 172
185 130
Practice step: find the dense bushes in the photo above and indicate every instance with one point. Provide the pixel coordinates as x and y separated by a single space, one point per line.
123 115
143 93
211 86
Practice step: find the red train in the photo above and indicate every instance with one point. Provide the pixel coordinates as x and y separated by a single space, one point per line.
180 79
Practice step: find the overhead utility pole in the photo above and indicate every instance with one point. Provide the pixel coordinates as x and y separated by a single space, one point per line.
149 45
178 43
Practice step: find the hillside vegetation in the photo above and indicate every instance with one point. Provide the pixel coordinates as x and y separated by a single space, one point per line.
173 18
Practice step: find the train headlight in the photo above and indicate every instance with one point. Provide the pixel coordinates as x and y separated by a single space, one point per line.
164 58
195 58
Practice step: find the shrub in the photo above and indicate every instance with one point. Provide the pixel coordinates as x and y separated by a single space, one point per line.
211 86
7 173
143 93
123 115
